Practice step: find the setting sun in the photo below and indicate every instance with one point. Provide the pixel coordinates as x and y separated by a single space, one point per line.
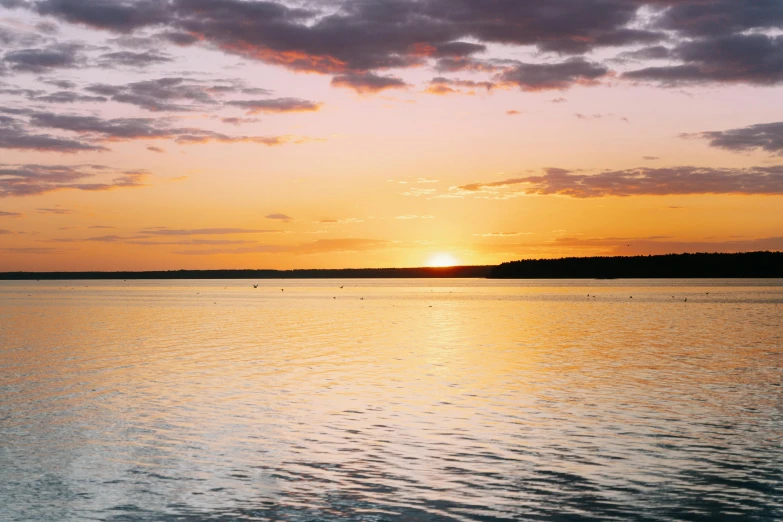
442 260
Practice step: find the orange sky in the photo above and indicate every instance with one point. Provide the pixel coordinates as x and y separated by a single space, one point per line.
136 139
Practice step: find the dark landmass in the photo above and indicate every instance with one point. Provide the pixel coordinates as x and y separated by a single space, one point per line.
348 273
746 265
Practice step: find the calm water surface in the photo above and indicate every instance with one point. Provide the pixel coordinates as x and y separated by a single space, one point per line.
446 400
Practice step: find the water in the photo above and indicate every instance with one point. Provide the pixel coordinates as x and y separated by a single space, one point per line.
427 400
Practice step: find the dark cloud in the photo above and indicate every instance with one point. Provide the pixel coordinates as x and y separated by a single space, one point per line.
28 180
452 49
355 38
457 64
10 214
62 56
180 38
441 85
59 83
133 59
10 4
117 15
104 129
740 58
763 136
721 17
276 105
14 135
546 76
16 91
645 182
656 52
351 37
368 82
363 36
163 94
14 38
156 149
179 94
68 97
239 121
94 130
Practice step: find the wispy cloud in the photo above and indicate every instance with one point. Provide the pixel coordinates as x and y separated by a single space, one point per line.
368 82
321 246
346 221
277 105
205 231
767 137
641 182
58 211
94 131
34 251
33 179
442 86
280 217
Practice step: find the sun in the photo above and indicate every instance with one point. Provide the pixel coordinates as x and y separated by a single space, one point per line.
442 260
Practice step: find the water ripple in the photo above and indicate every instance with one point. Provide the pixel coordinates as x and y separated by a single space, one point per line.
446 400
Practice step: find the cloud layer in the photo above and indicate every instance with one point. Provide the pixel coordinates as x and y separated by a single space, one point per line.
767 137
704 42
641 182
29 180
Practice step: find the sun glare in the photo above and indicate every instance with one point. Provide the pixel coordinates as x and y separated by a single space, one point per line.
441 260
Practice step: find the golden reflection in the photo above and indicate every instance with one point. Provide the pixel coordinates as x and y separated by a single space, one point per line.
390 389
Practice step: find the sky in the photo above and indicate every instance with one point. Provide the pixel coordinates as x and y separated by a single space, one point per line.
207 134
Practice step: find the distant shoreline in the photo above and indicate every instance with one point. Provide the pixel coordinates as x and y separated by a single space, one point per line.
671 266
346 273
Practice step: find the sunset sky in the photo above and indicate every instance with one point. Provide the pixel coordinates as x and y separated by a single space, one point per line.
168 134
